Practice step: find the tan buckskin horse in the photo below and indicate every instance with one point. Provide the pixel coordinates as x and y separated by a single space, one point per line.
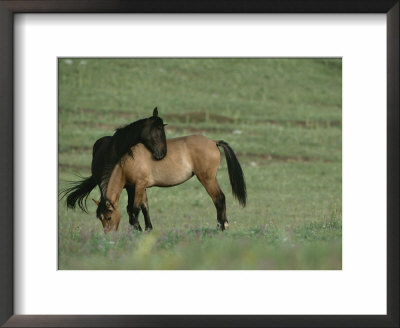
186 157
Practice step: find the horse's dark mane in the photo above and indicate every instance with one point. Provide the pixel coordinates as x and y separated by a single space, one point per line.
126 137
105 179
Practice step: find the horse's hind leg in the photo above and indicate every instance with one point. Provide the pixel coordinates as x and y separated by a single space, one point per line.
218 197
133 217
145 209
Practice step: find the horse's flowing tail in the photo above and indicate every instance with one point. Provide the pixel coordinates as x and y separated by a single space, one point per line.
78 192
235 173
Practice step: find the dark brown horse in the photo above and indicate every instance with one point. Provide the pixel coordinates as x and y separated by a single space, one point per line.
109 150
186 157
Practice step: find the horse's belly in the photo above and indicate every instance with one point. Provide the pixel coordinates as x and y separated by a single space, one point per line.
162 177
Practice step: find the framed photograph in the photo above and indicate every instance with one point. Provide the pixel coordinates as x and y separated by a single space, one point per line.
250 135
242 160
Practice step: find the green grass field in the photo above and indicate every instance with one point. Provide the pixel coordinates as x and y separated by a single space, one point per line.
281 116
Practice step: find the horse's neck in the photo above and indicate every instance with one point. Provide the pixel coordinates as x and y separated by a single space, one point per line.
127 137
115 184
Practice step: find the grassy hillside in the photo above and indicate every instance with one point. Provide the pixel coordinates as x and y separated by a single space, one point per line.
281 116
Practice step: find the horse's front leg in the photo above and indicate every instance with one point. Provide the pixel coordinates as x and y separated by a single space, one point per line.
141 203
145 210
133 215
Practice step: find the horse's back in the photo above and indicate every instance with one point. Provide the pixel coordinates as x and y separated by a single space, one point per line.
185 157
181 148
193 142
198 152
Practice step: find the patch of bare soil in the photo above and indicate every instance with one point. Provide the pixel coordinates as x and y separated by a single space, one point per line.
80 149
92 111
304 124
273 157
74 166
95 124
197 117
191 129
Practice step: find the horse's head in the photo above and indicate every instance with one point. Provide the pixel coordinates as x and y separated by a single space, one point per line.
108 215
153 135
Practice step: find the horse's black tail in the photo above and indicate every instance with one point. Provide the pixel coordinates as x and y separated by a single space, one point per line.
235 173
78 192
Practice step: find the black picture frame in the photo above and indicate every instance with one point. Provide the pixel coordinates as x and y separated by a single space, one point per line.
7 11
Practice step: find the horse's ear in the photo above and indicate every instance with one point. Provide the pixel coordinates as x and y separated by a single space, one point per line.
109 206
96 202
155 112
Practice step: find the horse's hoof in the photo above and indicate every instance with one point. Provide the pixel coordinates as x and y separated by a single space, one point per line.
137 227
223 226
149 228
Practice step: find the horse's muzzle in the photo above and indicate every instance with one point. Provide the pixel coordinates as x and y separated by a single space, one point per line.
159 154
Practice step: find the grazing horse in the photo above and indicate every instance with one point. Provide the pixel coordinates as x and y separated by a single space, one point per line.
109 150
186 157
